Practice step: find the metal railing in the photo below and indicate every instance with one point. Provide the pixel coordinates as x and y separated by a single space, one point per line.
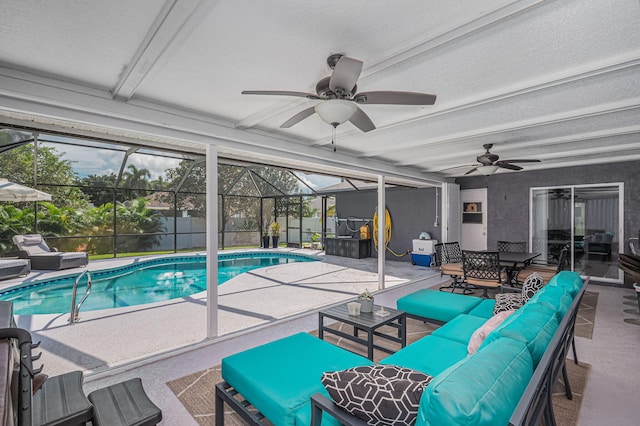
75 309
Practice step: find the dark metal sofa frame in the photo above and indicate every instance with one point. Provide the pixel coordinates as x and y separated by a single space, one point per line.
536 402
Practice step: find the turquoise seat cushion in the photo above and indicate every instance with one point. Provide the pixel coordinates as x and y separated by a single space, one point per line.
460 328
555 298
533 325
484 309
570 281
430 355
482 390
437 305
278 378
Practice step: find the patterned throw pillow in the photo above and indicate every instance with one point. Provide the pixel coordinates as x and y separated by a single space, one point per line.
507 302
378 394
531 285
483 331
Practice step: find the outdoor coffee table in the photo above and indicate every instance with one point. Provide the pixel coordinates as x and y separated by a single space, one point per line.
368 322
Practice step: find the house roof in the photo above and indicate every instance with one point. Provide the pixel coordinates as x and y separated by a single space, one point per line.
552 81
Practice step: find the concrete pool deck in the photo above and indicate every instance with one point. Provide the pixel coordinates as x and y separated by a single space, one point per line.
105 339
609 397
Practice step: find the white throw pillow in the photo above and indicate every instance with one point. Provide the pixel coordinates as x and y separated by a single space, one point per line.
483 331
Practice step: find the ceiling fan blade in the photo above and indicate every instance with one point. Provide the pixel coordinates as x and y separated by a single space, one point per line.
463 166
362 121
471 171
298 117
345 74
506 165
395 98
281 93
521 161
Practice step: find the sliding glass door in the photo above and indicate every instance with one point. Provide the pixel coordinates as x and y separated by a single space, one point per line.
586 219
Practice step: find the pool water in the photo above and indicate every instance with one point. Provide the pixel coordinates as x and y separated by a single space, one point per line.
140 283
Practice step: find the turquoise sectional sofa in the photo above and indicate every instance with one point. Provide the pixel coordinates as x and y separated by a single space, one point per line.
508 374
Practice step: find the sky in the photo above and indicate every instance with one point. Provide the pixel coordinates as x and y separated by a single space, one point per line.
96 161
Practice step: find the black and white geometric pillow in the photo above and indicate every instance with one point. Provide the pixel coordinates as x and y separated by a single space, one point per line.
531 285
507 302
378 394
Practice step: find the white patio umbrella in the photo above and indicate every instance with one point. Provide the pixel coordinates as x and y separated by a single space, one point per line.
10 191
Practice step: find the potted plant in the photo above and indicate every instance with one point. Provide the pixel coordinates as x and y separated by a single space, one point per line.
265 238
275 234
315 240
366 301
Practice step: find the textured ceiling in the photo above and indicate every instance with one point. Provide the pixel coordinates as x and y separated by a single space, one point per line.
557 81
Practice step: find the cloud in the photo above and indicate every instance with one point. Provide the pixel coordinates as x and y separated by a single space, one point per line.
316 181
96 161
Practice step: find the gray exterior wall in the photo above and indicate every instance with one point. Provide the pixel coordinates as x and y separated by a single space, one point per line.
508 196
412 211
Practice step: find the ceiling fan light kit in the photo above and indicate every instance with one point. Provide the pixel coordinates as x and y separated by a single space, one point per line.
336 111
487 170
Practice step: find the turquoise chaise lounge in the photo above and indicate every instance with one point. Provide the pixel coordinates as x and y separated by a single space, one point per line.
504 382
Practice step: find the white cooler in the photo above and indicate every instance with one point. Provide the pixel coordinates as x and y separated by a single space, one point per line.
423 252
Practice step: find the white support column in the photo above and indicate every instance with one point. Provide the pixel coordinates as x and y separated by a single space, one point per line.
212 240
382 249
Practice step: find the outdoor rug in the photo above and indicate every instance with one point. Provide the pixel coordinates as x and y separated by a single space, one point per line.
197 391
586 314
634 310
567 412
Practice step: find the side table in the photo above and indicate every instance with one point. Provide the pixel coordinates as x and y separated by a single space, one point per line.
368 322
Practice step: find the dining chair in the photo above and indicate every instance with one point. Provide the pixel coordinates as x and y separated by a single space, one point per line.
450 257
547 272
519 246
482 269
453 252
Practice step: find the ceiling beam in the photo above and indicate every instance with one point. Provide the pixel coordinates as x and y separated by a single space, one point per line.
600 68
175 21
513 147
492 133
49 99
388 61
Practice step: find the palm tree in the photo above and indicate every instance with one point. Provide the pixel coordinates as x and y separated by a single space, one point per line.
137 181
135 218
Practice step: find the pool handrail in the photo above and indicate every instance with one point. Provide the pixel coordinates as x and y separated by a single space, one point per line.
75 310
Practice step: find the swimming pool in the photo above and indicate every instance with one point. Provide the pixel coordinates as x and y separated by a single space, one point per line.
146 281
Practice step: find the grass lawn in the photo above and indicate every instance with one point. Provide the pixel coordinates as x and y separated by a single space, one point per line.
149 253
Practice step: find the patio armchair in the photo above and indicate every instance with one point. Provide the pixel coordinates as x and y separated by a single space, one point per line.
35 248
519 246
546 271
449 259
482 269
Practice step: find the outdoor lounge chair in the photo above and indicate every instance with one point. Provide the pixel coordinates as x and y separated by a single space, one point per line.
35 248
11 268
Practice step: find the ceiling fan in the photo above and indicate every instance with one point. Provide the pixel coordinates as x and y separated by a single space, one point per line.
490 163
339 96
